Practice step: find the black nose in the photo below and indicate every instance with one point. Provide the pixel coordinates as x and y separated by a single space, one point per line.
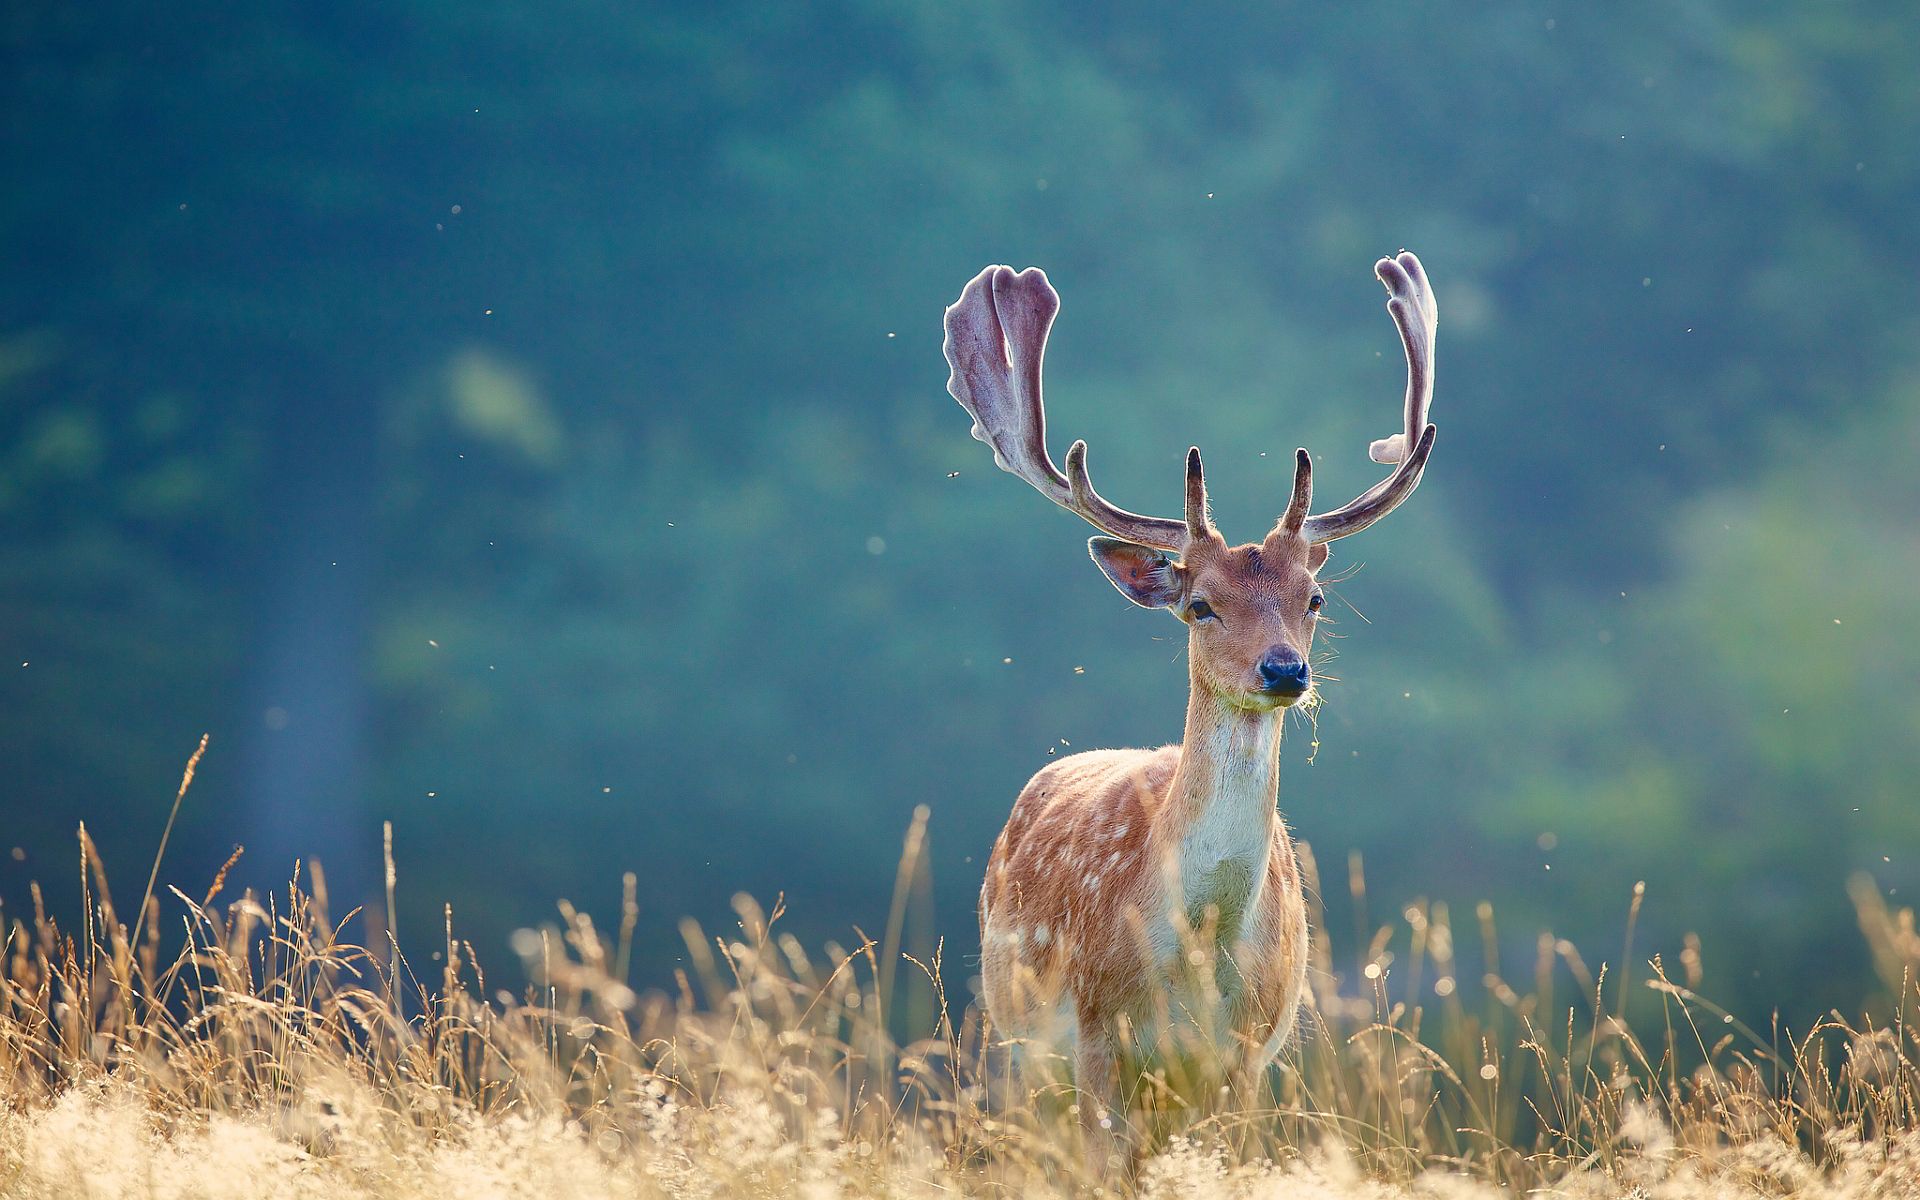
1282 673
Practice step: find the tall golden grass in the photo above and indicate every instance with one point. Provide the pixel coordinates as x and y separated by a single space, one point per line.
269 1055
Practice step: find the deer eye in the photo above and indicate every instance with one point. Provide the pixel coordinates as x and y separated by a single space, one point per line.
1200 610
1315 603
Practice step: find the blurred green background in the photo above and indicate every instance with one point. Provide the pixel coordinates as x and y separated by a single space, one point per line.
525 423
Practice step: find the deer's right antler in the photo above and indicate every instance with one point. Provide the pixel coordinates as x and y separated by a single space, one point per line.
996 339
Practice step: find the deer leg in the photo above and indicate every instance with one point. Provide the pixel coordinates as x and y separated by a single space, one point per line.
1247 1094
1096 1076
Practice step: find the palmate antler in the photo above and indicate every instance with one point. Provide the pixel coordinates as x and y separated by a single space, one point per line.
996 341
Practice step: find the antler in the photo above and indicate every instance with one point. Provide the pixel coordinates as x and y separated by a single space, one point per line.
996 338
1412 305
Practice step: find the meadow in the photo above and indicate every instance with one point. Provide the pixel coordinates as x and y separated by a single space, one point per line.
271 1055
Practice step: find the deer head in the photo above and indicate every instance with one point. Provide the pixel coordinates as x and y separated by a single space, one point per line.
1250 609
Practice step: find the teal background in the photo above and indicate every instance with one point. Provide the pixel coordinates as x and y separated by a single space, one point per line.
525 424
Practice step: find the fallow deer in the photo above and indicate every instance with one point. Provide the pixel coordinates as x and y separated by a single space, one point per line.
1113 859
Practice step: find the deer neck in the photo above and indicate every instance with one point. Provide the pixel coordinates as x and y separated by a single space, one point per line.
1218 821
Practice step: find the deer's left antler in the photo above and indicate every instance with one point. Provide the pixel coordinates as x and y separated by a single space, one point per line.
1410 300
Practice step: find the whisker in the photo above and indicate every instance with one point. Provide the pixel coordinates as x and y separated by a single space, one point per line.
1352 569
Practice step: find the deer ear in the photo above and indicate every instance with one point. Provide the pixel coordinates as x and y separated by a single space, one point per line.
1317 556
1148 577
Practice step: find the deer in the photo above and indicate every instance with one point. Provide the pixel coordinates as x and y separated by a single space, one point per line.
1118 870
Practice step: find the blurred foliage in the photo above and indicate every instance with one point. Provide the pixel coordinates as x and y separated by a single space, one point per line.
557 393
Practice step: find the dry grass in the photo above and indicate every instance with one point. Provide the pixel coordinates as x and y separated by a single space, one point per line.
269 1057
